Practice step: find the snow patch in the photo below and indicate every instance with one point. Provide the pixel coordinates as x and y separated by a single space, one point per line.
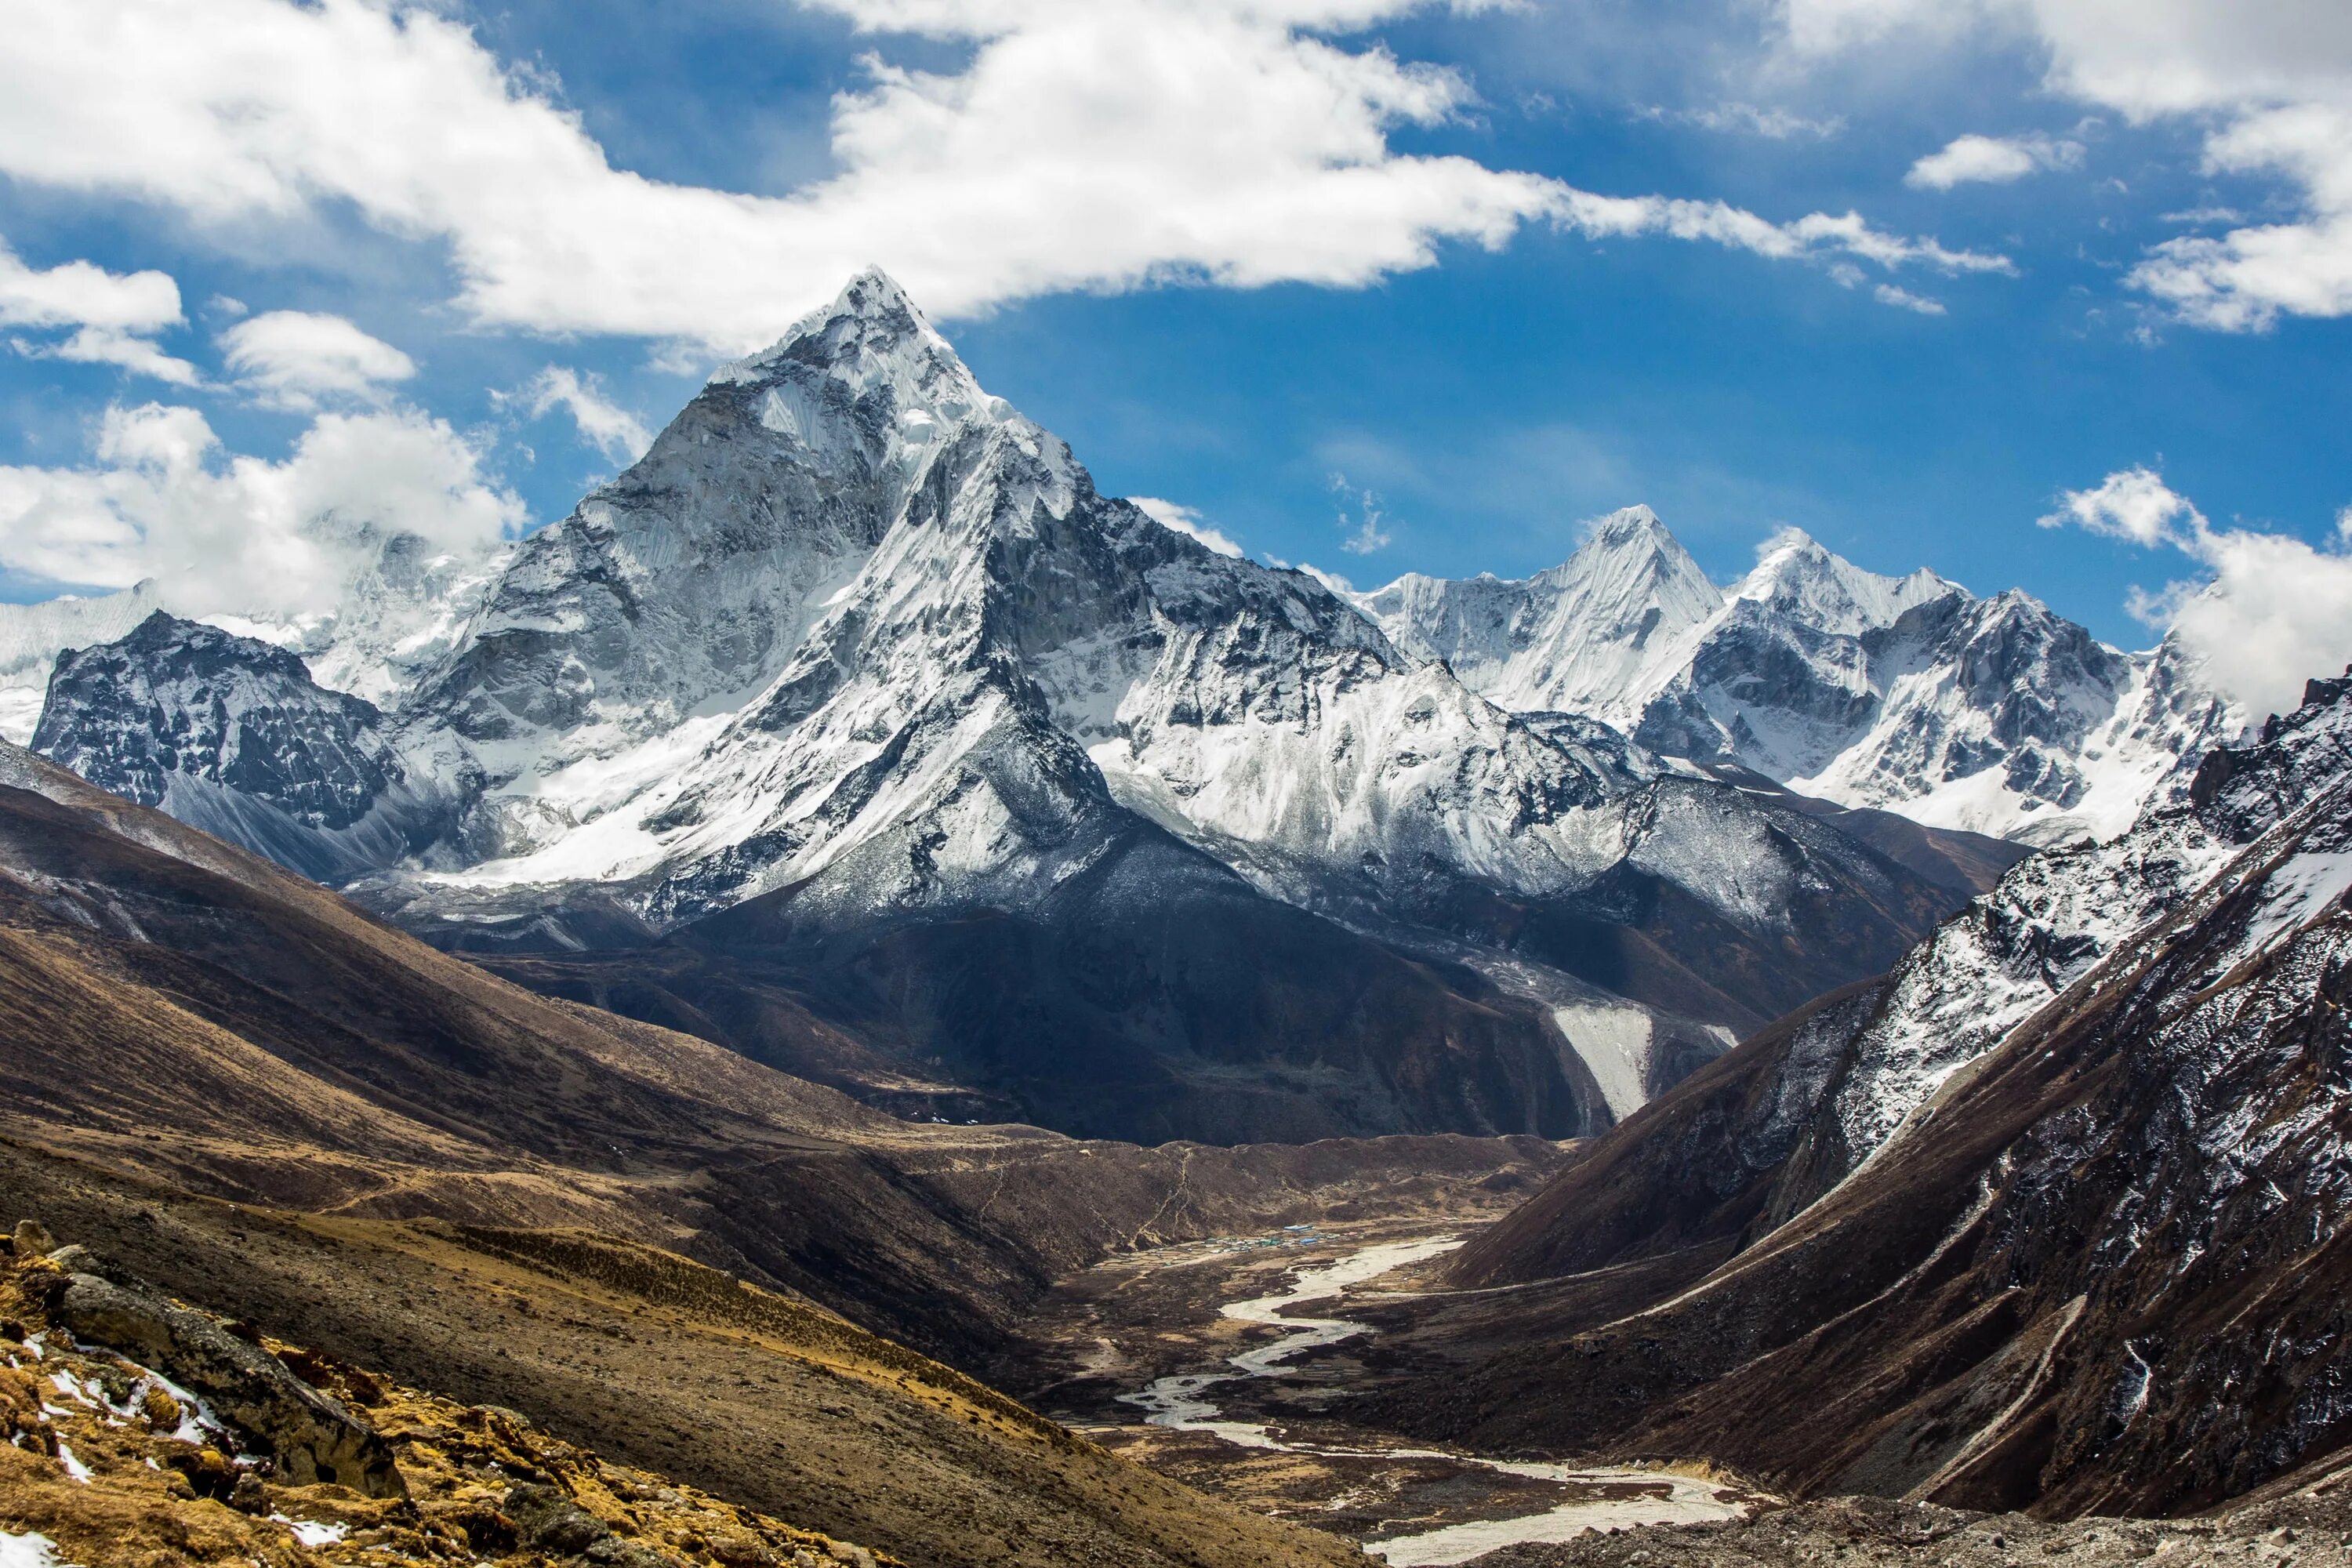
1615 1042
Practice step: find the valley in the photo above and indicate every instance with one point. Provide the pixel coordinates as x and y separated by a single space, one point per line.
1244 1410
859 981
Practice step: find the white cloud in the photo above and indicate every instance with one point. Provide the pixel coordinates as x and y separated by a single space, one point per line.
1817 235
1904 299
1186 521
231 533
2268 85
604 424
1773 124
1081 143
114 316
293 359
1365 534
1991 160
2270 610
2134 504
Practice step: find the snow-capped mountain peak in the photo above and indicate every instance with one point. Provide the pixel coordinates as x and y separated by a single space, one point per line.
1909 694
1795 576
1579 636
873 343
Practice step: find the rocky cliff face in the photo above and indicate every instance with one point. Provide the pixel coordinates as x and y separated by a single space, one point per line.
32 636
231 734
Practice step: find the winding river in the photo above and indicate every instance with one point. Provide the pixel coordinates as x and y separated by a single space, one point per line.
1630 1497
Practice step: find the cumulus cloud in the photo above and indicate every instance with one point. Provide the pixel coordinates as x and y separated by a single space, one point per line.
2268 611
2268 86
113 317
226 532
1991 160
604 424
1079 144
293 359
2135 504
1186 521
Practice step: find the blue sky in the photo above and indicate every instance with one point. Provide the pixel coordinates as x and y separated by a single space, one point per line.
1505 267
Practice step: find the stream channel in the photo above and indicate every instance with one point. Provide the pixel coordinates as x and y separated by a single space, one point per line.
1604 1498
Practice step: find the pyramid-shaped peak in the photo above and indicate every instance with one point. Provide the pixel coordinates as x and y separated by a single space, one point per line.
873 294
1630 523
873 337
1799 574
870 315
1629 539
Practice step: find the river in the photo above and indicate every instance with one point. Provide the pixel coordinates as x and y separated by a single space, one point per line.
1606 1497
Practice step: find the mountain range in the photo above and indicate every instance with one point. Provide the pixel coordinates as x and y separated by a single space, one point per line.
853 697
574 979
2051 1216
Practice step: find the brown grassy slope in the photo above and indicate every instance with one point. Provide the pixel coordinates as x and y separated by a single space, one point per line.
654 1362
2105 1272
172 1005
154 1486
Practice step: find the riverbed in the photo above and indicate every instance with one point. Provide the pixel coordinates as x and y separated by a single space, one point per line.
1236 1423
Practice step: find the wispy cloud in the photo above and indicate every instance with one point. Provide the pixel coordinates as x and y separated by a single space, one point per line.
1734 118
1186 521
2267 90
110 318
297 359
604 424
1360 518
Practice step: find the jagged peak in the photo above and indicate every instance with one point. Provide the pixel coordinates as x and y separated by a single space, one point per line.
1631 523
874 336
1631 550
1796 571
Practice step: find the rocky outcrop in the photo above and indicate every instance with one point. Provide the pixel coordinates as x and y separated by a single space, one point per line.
310 1436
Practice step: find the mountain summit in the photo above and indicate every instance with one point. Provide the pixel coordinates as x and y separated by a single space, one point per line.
1904 694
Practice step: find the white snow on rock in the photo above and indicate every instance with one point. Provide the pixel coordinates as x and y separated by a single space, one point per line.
1908 694
2264 834
28 1550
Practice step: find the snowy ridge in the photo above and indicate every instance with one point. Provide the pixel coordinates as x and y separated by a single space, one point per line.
1909 694
2056 917
1588 635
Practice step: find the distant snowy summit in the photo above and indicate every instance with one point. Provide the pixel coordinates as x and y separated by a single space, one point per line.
1905 694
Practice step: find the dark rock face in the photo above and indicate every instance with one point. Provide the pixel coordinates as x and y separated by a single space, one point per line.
312 1437
1154 996
175 698
232 735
